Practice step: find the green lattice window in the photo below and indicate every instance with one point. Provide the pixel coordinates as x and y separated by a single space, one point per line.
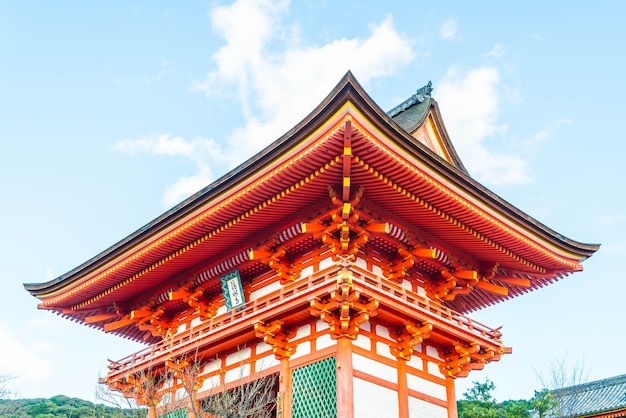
180 413
314 390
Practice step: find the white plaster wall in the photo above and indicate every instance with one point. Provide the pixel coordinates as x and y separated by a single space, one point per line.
221 310
263 347
238 356
307 271
377 270
416 362
195 322
237 373
373 401
382 332
374 368
360 262
265 290
406 285
426 386
303 331
421 409
324 341
433 368
302 350
321 325
326 263
212 366
432 352
363 342
266 363
382 349
181 328
211 383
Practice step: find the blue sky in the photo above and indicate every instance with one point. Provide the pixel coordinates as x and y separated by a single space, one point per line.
112 112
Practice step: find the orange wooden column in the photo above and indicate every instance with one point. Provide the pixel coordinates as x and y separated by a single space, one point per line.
403 389
285 387
345 380
152 412
451 395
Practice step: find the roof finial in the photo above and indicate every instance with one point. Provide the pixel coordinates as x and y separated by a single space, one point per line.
420 95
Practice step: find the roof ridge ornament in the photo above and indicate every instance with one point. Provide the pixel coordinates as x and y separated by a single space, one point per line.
420 95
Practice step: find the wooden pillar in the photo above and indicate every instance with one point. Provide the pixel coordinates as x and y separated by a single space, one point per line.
285 387
345 391
152 412
403 389
451 395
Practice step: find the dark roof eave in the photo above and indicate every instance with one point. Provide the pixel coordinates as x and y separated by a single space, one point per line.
347 89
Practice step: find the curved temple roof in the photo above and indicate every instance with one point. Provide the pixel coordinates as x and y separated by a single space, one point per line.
404 165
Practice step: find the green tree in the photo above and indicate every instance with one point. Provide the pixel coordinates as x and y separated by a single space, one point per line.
543 402
516 409
479 402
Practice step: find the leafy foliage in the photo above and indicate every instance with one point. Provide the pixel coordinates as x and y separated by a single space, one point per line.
544 402
479 402
60 406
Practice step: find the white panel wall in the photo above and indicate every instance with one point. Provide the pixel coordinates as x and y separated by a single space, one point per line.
374 368
420 409
237 373
426 386
265 290
266 363
373 401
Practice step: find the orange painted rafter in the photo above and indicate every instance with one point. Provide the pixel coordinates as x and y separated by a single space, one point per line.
449 218
192 245
316 139
379 141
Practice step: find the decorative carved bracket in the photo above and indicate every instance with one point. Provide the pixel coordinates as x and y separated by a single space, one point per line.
406 339
146 389
410 254
460 359
276 258
344 309
274 334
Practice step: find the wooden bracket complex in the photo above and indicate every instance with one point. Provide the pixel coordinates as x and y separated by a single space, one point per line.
274 334
461 358
344 309
406 339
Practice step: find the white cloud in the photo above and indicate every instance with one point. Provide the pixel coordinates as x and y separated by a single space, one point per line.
279 82
449 30
200 151
469 103
277 79
27 360
497 51
544 134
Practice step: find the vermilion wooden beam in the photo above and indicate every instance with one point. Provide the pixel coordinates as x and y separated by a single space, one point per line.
493 288
112 326
99 318
141 313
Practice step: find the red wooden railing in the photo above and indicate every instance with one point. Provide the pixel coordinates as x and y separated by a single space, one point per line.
303 289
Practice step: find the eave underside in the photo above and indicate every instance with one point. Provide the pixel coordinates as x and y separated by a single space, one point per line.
391 190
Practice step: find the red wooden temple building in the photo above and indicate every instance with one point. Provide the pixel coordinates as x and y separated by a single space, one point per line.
342 259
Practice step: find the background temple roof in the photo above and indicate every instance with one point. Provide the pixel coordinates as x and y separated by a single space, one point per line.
594 398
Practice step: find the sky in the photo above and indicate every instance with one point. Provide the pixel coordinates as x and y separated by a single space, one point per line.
113 112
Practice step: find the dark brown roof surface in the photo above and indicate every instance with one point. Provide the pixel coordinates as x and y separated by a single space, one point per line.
594 398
